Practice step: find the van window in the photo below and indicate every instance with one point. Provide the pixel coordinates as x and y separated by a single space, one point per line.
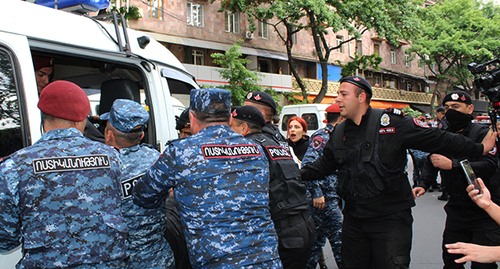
104 81
12 136
284 121
311 120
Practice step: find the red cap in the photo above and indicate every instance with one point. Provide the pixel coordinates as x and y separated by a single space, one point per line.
334 108
64 100
41 62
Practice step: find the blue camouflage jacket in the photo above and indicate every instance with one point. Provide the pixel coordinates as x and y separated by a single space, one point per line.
326 186
148 246
60 197
221 186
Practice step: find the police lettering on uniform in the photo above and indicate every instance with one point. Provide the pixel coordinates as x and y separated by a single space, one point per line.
124 130
61 196
324 204
465 221
267 106
377 227
222 198
287 194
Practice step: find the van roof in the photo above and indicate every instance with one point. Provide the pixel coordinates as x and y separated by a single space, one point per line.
42 23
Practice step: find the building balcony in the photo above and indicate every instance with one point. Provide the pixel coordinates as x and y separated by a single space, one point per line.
313 87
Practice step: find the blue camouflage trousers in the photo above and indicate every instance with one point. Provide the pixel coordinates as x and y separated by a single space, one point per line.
328 225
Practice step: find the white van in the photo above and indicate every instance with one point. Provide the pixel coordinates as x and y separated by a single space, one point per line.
106 60
313 114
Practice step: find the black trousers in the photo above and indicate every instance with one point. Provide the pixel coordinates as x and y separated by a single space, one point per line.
377 243
463 225
296 238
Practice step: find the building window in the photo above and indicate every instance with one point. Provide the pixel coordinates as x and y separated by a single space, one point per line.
407 60
195 14
393 56
198 57
294 36
340 39
420 62
120 3
359 47
232 22
155 9
376 49
263 29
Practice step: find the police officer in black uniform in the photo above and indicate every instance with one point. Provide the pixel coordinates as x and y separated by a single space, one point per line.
369 151
267 106
287 194
465 221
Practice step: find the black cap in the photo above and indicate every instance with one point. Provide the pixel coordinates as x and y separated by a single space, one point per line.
262 98
249 114
458 96
360 82
440 109
183 120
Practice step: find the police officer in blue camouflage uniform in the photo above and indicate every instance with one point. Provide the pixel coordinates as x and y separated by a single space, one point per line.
324 199
60 197
221 187
124 130
287 194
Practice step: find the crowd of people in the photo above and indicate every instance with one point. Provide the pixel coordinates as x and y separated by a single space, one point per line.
232 192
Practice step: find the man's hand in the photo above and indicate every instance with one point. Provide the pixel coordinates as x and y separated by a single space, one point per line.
441 162
489 141
417 192
319 202
473 252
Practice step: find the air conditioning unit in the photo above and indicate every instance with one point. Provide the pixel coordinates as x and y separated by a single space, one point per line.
248 35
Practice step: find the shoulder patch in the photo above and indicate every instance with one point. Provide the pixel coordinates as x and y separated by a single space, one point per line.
230 151
420 123
70 163
128 186
317 142
394 111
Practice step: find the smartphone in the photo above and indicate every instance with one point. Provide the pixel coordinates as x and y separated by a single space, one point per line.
469 174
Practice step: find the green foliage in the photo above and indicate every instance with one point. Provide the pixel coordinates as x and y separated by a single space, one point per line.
412 113
455 33
391 19
131 12
360 62
241 80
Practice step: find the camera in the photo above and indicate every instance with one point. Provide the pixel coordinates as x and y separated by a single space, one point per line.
489 84
487 81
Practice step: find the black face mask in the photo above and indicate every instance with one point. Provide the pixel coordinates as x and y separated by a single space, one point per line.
457 120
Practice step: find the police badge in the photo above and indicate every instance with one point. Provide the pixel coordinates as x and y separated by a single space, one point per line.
385 120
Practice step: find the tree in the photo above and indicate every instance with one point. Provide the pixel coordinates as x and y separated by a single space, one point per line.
241 80
391 19
453 34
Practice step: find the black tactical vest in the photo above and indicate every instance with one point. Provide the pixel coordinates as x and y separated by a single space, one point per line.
361 174
287 193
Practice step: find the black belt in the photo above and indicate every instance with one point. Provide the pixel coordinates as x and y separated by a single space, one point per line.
290 221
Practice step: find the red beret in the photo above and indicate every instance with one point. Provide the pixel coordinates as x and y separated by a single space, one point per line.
334 108
64 100
41 62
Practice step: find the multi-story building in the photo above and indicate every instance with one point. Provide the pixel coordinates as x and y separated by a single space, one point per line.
193 29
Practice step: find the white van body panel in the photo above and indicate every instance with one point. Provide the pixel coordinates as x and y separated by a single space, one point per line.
314 112
19 45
